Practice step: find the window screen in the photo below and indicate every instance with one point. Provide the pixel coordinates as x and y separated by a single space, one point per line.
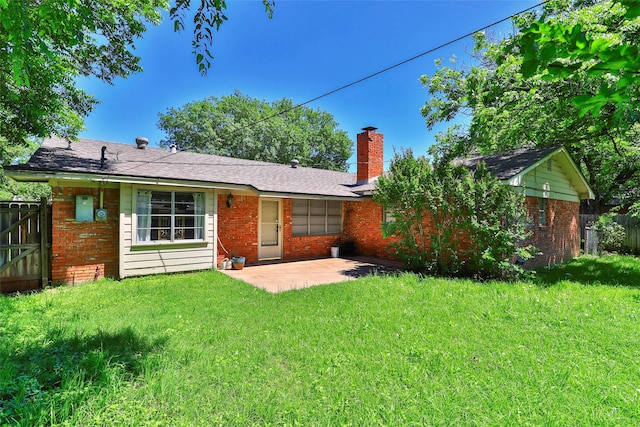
311 217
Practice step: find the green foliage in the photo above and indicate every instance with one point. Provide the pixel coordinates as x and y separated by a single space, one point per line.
611 234
236 125
46 45
451 221
406 191
495 218
209 15
510 110
561 49
14 154
144 352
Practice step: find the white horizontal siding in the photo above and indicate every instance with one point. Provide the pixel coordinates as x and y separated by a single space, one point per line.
551 184
177 254
136 259
167 269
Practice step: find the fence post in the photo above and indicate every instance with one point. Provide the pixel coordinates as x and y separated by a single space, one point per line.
591 240
44 242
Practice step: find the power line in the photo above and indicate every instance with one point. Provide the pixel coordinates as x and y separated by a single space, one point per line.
377 73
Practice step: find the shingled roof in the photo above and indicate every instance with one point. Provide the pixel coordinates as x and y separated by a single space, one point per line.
512 167
56 156
126 162
508 165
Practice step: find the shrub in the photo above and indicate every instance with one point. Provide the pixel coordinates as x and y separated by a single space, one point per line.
612 235
452 221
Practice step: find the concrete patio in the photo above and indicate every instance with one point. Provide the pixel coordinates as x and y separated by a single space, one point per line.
286 276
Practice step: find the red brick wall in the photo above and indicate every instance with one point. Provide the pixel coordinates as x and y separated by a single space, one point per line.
238 227
362 225
83 251
559 240
370 155
304 247
238 230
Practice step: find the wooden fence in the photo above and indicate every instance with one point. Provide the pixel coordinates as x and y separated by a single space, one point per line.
631 226
25 230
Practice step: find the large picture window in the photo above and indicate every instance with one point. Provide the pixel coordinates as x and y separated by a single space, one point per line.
169 216
316 217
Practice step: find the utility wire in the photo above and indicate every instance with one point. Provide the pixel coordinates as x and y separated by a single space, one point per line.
377 73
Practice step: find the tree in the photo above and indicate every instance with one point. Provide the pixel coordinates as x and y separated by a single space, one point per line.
562 49
46 45
12 154
509 110
451 220
559 50
240 126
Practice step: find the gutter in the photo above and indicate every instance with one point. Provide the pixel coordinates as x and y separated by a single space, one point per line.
44 176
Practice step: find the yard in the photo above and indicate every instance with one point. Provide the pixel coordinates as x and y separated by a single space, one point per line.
206 349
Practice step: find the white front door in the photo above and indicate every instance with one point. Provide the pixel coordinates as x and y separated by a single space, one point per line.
270 245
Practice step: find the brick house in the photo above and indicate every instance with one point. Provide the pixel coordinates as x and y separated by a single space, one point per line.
554 187
123 210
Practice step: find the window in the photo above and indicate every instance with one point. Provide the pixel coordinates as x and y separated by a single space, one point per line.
542 211
316 217
169 216
388 215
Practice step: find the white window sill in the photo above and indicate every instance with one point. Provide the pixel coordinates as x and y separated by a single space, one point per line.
145 246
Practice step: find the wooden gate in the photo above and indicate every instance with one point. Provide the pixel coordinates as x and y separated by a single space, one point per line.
24 245
631 227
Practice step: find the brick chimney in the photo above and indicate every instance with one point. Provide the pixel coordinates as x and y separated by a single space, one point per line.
370 155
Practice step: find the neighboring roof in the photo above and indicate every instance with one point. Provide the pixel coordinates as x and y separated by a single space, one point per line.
124 162
512 167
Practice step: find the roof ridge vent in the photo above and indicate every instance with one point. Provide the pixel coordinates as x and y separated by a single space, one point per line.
142 142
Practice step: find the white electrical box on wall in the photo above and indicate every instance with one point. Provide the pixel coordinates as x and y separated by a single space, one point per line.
84 208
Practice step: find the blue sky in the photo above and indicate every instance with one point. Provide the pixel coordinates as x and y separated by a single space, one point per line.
307 49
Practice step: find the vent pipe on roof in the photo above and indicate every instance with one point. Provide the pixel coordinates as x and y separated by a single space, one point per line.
102 157
173 148
142 142
294 163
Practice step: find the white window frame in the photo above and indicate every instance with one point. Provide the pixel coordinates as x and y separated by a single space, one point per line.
171 229
543 207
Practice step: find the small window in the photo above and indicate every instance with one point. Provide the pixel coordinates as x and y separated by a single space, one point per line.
169 216
311 217
388 215
542 212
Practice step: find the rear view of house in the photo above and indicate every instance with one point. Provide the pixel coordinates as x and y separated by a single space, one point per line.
554 187
121 210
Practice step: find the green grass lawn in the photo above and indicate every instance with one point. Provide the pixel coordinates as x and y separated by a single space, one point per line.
204 349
